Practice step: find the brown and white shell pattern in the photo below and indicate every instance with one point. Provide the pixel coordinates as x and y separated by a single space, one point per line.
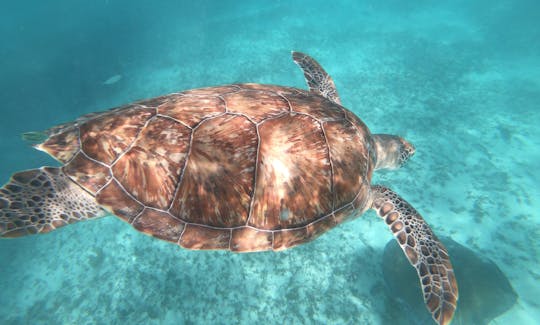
243 167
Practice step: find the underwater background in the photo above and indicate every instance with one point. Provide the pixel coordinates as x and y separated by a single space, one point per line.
460 80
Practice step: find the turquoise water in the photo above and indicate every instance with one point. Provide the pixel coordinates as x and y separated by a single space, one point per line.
461 81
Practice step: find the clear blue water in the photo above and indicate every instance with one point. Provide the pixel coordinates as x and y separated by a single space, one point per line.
461 81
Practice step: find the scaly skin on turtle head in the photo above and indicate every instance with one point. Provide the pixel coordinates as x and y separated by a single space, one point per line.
392 151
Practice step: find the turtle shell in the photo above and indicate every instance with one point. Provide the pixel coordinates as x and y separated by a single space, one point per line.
242 167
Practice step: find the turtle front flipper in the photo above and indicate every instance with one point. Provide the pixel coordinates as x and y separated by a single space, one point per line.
318 80
41 200
423 250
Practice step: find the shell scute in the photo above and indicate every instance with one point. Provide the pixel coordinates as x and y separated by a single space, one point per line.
318 227
246 239
150 169
286 238
316 106
105 137
159 224
117 201
212 91
217 184
345 213
191 109
349 160
201 237
63 146
258 105
293 174
88 173
156 101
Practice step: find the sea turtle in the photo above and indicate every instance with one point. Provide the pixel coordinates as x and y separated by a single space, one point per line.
243 167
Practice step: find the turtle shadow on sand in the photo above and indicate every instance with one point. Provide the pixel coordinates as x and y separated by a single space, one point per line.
484 291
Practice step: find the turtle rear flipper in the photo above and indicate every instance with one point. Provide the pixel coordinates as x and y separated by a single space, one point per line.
41 200
423 250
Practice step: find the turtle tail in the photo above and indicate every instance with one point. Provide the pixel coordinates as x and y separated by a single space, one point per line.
41 200
34 137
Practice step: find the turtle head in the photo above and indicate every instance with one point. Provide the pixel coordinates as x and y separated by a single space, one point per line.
392 151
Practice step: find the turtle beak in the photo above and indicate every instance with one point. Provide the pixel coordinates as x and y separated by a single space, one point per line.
406 151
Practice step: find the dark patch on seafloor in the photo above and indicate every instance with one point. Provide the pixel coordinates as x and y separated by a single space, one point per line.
484 291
